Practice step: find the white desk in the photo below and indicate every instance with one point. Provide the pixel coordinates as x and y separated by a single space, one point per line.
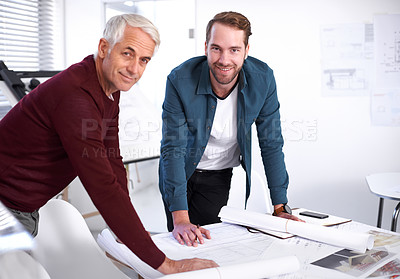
386 186
233 245
260 246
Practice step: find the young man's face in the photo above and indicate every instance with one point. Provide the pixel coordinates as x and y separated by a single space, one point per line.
225 54
123 66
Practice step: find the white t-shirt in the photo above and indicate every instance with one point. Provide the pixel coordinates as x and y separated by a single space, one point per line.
222 150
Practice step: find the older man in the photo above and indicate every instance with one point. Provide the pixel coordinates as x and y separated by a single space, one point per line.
68 127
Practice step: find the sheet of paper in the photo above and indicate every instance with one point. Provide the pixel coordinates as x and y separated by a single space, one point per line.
387 50
229 245
385 98
351 240
236 250
385 107
251 270
385 238
389 270
347 59
355 264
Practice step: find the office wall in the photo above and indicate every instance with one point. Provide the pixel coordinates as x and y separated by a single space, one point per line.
327 170
83 28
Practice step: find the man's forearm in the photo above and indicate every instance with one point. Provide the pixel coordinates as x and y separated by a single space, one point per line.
180 216
170 266
276 206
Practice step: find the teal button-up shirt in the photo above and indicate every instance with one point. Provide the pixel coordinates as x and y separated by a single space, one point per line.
188 114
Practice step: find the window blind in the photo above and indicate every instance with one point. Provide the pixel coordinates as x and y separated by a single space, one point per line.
26 34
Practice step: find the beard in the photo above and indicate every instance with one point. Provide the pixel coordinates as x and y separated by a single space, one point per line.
224 79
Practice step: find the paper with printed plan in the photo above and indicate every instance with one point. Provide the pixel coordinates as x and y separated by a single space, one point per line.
232 247
351 240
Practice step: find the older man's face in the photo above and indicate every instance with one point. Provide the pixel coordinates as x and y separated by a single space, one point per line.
123 66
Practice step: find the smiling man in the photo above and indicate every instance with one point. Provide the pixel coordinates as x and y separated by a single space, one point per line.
68 127
210 105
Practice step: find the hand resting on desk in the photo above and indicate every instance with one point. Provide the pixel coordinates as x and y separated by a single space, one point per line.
289 216
285 215
187 233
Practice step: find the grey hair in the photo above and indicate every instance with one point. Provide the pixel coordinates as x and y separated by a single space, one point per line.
115 28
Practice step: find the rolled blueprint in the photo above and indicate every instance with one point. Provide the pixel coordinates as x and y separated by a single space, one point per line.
252 270
356 241
122 253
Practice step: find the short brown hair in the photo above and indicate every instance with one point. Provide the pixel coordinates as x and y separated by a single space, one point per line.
232 19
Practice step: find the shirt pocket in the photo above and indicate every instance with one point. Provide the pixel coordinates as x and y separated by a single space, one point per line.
250 118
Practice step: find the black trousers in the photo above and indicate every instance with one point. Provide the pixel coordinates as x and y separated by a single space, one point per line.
207 193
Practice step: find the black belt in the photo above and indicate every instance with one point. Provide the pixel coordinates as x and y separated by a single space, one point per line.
213 171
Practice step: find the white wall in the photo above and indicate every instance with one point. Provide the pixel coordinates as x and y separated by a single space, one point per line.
83 28
328 172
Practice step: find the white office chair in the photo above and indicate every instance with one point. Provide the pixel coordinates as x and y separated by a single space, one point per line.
18 264
386 186
66 248
258 201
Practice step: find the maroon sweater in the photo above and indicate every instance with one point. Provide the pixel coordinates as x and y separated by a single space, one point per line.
64 128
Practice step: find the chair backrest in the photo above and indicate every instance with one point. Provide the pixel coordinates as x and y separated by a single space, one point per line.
18 264
66 247
259 199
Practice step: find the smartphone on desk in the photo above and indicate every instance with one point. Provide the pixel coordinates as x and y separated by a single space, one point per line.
314 214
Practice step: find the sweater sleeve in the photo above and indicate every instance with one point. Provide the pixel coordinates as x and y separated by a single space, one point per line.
91 143
111 143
